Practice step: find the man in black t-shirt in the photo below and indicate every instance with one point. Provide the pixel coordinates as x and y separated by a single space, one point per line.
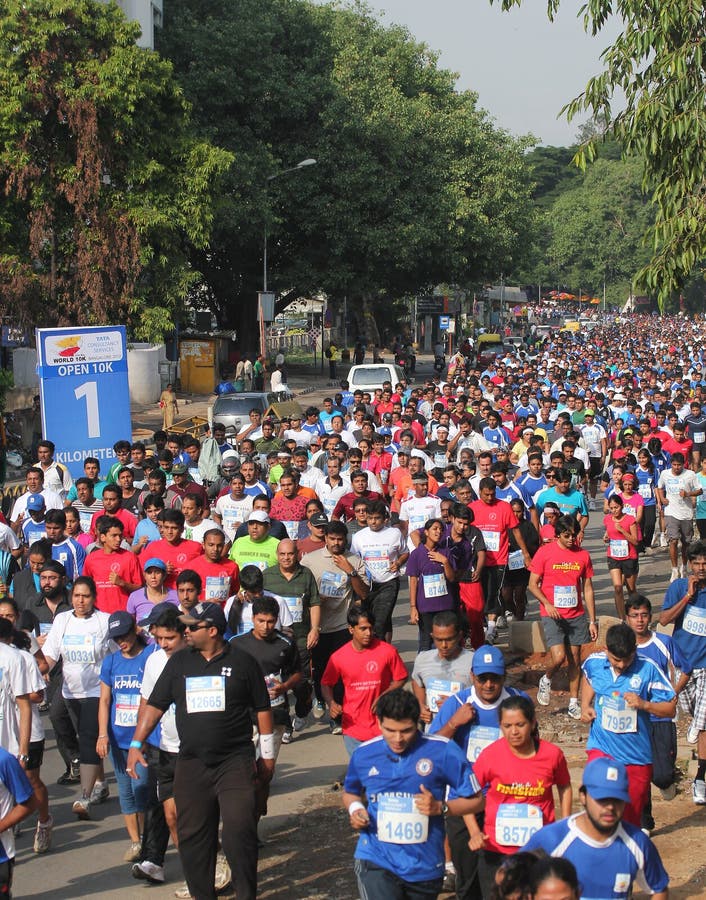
213 686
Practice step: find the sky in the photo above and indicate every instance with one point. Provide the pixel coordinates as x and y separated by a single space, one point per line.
523 67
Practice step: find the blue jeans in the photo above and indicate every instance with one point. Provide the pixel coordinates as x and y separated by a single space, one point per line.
375 883
134 794
350 743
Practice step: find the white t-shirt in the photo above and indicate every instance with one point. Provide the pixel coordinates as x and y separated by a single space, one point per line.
303 438
38 684
82 644
678 507
51 501
330 495
233 513
8 538
416 511
311 477
169 736
285 614
196 532
378 549
14 682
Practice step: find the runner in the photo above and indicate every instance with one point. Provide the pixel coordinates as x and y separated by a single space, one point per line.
115 572
444 670
141 602
17 801
406 778
675 489
176 552
218 574
621 537
561 576
430 570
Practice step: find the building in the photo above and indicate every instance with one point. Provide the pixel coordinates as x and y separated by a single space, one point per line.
147 13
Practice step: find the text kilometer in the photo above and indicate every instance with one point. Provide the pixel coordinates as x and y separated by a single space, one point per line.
84 368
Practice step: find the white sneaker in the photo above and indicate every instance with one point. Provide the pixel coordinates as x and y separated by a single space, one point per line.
663 539
674 575
299 724
544 691
681 570
100 792
669 793
133 852
318 709
223 875
509 617
574 711
501 622
692 734
183 892
42 836
148 871
82 808
698 792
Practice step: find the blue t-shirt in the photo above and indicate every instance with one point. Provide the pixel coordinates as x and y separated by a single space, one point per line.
14 788
483 730
661 649
690 626
97 490
530 487
148 528
618 730
392 839
606 870
33 531
71 555
124 678
646 482
571 503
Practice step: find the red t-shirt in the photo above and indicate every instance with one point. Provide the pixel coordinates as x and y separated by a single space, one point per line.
511 780
684 447
126 517
344 507
563 570
365 674
618 547
219 580
179 555
495 521
99 565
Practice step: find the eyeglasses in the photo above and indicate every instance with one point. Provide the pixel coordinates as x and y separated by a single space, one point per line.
196 627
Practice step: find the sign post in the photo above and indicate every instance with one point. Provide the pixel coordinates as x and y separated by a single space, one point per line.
85 398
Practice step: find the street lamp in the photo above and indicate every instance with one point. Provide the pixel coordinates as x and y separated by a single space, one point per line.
300 165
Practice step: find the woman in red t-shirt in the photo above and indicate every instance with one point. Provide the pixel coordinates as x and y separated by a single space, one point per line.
622 537
517 774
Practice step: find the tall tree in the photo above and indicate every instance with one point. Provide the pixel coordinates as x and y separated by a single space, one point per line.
102 181
657 62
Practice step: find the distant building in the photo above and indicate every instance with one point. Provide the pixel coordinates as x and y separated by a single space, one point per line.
147 13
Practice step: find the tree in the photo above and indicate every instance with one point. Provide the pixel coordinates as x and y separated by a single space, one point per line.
657 62
413 183
103 183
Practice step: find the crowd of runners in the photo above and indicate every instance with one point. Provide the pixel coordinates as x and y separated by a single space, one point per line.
185 613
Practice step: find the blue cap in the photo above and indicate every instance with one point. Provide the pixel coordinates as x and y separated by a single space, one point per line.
157 610
211 613
35 502
154 563
488 659
120 623
606 779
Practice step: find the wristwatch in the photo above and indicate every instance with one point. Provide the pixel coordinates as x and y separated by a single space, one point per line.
22 758
444 808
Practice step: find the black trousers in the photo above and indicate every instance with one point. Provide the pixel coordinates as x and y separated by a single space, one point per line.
203 795
84 719
465 860
64 731
381 602
155 835
649 520
320 655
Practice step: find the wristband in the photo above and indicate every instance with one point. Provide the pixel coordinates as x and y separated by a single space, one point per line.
136 745
354 807
267 746
102 737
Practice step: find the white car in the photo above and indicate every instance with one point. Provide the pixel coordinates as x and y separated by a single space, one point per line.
371 376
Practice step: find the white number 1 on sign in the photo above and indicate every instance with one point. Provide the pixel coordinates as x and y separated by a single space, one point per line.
89 390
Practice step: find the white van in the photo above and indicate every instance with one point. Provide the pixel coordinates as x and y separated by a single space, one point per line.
368 377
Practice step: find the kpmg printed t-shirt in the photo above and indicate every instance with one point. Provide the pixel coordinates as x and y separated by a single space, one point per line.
101 565
494 521
123 675
365 674
561 572
519 799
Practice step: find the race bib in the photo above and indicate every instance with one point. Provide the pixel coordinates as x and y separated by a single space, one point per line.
434 586
126 706
79 648
333 584
492 540
384 475
480 737
44 627
296 607
566 596
645 491
515 560
699 437
440 460
617 717
515 823
399 821
217 588
205 693
695 621
232 520
271 681
292 530
329 505
417 522
619 549
438 688
85 516
378 563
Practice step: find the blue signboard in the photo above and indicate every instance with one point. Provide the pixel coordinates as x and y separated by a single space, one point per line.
84 392
444 323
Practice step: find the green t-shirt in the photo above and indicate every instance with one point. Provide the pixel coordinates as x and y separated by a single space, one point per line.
247 552
300 593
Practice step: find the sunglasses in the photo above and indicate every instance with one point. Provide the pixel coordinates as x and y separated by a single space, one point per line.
198 627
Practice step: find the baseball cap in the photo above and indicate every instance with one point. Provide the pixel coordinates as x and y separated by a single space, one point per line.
403 451
319 520
589 412
528 430
120 623
606 779
157 610
488 659
179 469
259 515
154 563
211 613
35 502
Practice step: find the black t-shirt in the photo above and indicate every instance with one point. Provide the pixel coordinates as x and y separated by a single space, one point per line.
213 699
276 657
277 530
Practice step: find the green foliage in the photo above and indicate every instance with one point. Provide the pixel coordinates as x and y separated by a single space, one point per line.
103 183
657 62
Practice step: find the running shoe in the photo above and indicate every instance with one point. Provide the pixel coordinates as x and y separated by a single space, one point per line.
336 728
491 636
501 622
544 691
449 884
692 734
299 723
223 875
663 539
318 709
669 793
82 808
133 852
681 571
698 792
674 575
574 711
42 836
183 892
148 871
509 617
72 775
287 737
100 793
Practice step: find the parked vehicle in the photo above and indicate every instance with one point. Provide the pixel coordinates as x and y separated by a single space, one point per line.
232 410
488 348
369 376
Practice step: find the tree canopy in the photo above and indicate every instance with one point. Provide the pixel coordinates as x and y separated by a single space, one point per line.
657 62
102 181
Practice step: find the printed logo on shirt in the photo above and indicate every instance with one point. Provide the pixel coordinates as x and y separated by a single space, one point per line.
424 766
372 771
635 682
371 666
181 557
622 883
227 671
115 567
